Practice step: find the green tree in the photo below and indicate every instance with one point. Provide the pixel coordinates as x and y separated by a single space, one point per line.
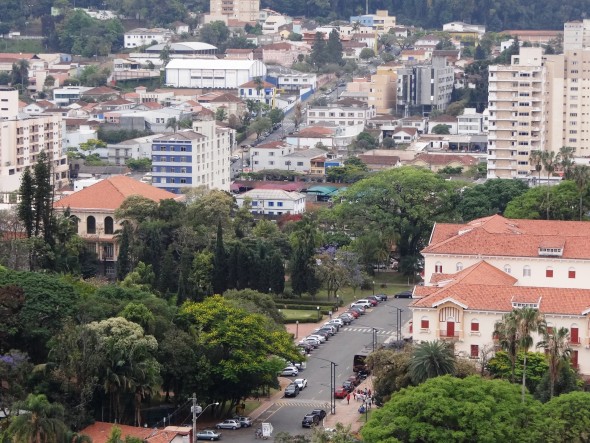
506 334
390 370
297 116
124 261
25 206
581 177
220 114
215 33
38 422
441 129
550 160
431 359
219 263
260 125
558 350
334 48
566 161
318 51
366 54
499 366
489 198
566 418
276 115
443 410
304 241
568 380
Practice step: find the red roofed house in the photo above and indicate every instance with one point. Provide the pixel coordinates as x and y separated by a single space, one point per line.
478 271
99 432
258 91
283 53
95 207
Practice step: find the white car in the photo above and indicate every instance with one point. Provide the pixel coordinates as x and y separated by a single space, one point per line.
321 338
290 371
336 321
366 303
301 382
310 341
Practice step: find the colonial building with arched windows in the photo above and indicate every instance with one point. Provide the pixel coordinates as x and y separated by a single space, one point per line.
94 209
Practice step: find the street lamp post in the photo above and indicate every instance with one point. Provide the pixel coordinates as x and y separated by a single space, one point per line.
296 329
318 308
196 409
373 287
332 384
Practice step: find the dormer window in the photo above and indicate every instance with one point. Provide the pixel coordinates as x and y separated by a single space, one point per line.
552 252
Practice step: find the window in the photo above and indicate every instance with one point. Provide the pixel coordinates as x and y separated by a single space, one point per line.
474 326
549 329
459 266
424 323
280 204
571 273
271 203
574 334
91 225
507 269
526 271
474 351
575 359
108 225
438 267
549 272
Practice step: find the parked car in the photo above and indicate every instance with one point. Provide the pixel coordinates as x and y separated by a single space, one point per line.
340 392
230 423
313 342
354 379
290 371
331 325
208 434
292 390
348 385
346 318
313 418
363 302
373 299
305 347
403 294
336 321
246 422
329 329
353 312
359 308
321 338
383 297
301 382
324 333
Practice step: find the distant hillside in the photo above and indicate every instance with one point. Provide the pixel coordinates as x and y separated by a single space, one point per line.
497 15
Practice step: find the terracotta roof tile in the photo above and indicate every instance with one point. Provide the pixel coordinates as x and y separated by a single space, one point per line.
499 236
99 431
111 192
253 84
444 159
483 287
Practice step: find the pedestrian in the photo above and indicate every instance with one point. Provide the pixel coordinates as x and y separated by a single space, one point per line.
365 391
369 393
348 399
354 395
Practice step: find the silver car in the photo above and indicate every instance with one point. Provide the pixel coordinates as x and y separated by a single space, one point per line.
229 424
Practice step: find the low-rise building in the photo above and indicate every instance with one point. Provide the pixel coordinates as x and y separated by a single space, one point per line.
144 36
259 91
346 112
471 122
212 73
270 156
272 201
443 120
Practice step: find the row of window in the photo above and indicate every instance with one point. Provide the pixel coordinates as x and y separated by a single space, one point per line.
181 148
271 204
526 270
91 225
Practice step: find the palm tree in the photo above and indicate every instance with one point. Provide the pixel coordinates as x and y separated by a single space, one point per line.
550 160
505 332
431 359
566 154
528 320
75 437
535 159
556 345
581 177
172 123
41 421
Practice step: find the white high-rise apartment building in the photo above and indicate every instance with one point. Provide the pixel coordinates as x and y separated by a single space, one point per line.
230 11
540 102
516 107
23 137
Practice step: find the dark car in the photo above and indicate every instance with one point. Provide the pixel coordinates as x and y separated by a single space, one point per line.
292 390
313 418
346 319
348 385
382 297
354 379
330 331
403 294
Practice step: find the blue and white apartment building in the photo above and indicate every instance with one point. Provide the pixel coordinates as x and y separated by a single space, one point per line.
192 158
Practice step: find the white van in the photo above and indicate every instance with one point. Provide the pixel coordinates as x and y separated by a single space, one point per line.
363 301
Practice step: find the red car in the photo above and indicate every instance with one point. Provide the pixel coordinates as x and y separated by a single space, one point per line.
340 392
355 314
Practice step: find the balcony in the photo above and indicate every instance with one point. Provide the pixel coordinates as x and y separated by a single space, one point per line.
443 335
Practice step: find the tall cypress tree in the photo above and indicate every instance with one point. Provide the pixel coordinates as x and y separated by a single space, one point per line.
318 50
275 273
219 263
124 258
43 198
25 208
334 48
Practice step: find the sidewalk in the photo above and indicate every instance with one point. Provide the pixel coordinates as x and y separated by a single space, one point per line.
347 414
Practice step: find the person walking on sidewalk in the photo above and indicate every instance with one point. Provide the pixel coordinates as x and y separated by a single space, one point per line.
354 395
348 399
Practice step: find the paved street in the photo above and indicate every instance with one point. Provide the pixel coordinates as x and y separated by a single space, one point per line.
286 414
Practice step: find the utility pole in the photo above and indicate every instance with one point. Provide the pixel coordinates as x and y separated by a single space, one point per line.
196 409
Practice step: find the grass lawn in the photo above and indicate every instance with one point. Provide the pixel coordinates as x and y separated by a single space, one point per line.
28 46
299 314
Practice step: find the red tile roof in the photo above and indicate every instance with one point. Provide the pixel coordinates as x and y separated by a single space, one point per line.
445 159
485 288
99 432
110 193
253 84
499 236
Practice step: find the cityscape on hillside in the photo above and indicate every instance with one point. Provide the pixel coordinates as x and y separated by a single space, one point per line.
300 221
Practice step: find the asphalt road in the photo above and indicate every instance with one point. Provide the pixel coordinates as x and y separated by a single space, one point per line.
286 414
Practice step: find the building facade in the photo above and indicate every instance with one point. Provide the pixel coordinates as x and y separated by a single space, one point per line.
23 137
227 11
143 37
340 114
212 73
425 87
192 158
516 107
272 201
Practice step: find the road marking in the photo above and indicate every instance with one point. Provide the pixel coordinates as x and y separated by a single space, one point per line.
369 330
302 403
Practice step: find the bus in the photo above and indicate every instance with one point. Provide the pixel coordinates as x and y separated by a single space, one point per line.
359 361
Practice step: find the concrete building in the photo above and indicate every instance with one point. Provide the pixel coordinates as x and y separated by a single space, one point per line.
346 112
270 156
516 106
212 73
381 21
297 81
471 122
231 11
476 272
272 201
191 158
262 92
23 137
424 87
382 91
68 94
143 36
